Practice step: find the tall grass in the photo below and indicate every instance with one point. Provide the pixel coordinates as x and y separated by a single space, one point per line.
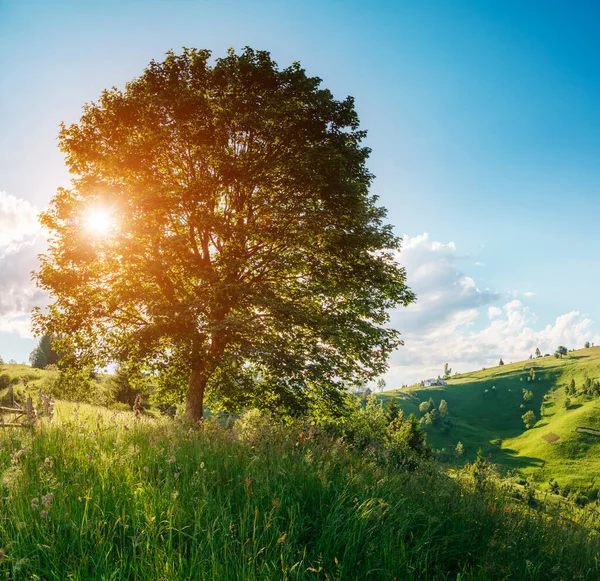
108 497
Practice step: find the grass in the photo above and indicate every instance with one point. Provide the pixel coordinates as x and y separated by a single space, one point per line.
492 421
97 496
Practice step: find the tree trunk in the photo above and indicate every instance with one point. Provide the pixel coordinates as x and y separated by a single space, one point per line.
195 394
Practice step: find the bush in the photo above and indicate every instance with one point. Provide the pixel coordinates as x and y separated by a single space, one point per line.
529 419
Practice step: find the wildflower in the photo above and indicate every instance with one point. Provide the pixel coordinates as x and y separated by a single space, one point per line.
201 466
176 475
126 428
275 503
43 514
35 503
152 440
175 495
146 469
47 499
171 459
2 555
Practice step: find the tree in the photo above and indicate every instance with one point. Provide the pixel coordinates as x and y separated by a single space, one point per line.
443 409
460 449
37 358
527 395
500 362
393 410
538 353
532 374
529 419
44 354
572 387
447 371
220 222
562 350
424 407
567 403
587 345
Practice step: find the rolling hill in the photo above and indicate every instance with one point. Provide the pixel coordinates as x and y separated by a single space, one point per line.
485 408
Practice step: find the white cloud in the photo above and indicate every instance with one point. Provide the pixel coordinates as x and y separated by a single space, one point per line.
21 240
528 294
18 220
449 322
494 312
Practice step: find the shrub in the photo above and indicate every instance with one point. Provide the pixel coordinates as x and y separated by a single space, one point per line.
529 419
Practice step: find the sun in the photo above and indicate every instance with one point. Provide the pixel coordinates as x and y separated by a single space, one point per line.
98 221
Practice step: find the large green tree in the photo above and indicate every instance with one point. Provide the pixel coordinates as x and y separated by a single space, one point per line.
220 223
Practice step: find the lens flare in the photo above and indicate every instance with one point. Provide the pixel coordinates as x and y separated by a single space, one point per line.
98 221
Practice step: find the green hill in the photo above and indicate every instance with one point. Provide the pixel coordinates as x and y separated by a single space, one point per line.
485 408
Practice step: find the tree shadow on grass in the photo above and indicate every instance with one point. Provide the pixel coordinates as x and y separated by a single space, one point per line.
508 458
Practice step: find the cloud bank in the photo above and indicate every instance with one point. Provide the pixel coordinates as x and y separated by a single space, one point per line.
457 322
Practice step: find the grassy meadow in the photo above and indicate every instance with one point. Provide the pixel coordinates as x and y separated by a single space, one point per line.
101 495
486 406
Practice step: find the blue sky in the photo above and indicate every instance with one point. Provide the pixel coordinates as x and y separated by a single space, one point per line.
483 117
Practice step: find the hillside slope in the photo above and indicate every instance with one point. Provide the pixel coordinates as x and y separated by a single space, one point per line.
486 406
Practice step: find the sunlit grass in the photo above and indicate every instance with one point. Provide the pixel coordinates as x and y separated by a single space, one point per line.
100 495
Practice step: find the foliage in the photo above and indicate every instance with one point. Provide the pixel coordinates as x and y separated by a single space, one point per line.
78 386
538 353
500 362
393 410
527 395
443 409
562 350
447 371
529 419
43 354
246 250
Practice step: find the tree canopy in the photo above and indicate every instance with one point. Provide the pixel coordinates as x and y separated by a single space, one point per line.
220 226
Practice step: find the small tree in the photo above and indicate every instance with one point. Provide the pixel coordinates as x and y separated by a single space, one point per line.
529 419
587 345
532 374
443 409
459 449
43 354
500 362
572 387
393 410
424 407
538 353
447 371
37 358
567 403
561 351
527 395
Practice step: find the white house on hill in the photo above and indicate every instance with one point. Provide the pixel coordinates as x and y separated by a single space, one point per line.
432 382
